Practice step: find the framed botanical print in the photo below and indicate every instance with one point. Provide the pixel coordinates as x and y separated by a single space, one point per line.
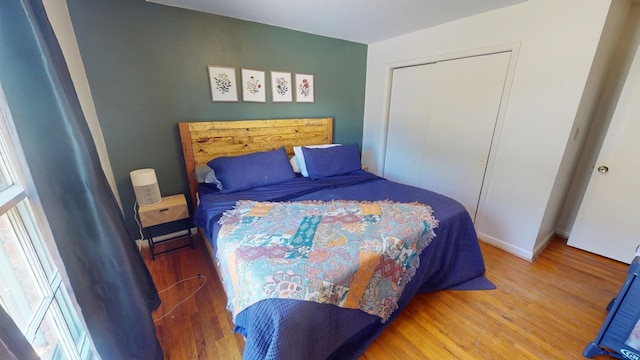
253 86
222 80
304 88
281 90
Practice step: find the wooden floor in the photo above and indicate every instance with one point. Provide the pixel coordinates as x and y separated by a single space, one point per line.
548 309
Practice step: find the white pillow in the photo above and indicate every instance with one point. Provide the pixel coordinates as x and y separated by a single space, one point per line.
201 172
205 174
297 150
294 164
212 179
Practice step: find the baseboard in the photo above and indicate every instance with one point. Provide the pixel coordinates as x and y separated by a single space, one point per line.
510 248
543 244
517 251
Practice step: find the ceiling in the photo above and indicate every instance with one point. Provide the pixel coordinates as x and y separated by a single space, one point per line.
361 21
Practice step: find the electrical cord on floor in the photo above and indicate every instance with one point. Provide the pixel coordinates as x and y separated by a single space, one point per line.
135 217
199 276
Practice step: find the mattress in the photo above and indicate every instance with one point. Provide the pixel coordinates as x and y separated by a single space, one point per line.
294 329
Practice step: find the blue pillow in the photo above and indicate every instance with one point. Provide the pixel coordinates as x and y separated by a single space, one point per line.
331 161
253 170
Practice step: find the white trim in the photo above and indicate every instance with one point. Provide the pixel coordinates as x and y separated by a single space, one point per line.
10 197
542 245
506 47
497 132
510 248
563 233
517 251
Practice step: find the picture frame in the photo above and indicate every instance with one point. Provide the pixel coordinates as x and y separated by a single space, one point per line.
305 92
253 86
222 80
281 87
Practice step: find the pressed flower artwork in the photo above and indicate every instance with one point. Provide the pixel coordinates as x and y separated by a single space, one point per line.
281 90
253 88
223 83
304 88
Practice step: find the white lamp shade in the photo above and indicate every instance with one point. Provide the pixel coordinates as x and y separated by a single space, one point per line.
145 186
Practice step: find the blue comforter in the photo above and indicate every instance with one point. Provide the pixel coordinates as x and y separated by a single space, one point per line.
294 329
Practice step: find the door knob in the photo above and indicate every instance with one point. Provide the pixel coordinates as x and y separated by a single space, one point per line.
603 169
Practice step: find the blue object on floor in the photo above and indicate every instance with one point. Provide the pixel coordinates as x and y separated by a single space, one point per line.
617 337
477 283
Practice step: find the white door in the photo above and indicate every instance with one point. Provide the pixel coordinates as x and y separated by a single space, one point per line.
464 112
608 222
412 90
442 118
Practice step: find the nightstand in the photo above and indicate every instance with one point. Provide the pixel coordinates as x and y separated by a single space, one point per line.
169 209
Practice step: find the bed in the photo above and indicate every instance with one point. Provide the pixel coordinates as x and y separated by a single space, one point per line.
438 250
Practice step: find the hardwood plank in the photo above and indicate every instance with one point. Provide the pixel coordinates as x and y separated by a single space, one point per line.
547 309
199 328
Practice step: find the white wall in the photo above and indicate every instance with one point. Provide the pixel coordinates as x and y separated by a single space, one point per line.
558 41
623 57
611 33
58 15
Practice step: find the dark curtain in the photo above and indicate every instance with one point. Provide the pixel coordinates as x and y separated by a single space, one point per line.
13 345
107 273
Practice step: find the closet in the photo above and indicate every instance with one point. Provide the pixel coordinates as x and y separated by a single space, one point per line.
442 120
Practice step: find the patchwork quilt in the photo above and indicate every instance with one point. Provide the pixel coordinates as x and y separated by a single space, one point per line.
357 255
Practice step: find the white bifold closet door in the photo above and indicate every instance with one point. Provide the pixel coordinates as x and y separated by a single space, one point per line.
411 91
442 118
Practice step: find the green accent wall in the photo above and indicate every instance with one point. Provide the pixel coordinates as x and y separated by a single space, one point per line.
147 68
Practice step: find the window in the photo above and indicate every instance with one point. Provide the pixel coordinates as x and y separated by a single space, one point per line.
32 290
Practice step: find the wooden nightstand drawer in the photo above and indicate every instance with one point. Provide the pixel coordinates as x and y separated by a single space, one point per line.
171 208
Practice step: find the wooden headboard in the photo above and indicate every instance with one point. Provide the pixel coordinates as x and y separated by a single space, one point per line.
206 140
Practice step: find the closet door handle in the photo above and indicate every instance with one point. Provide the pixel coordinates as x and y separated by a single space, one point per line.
603 169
